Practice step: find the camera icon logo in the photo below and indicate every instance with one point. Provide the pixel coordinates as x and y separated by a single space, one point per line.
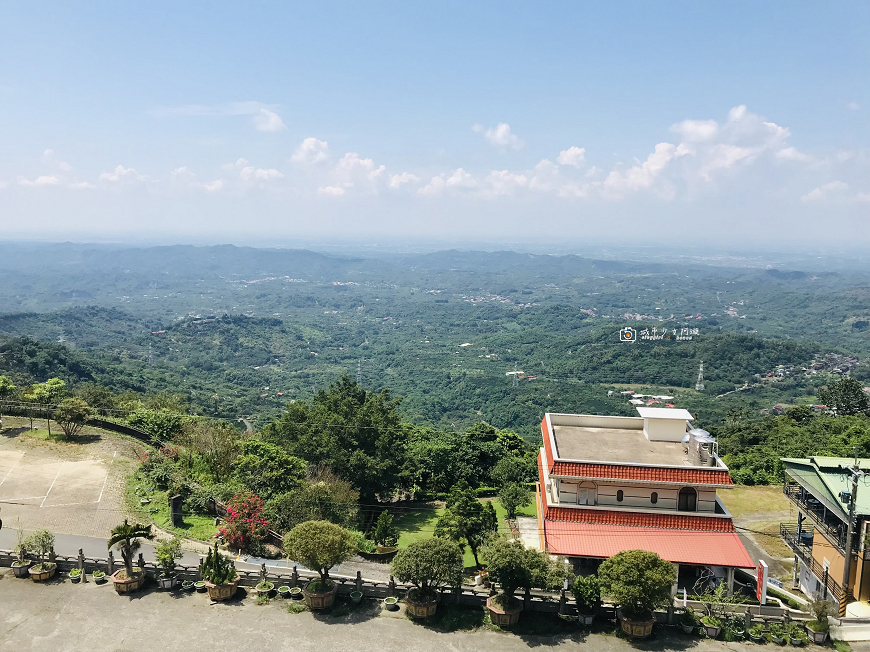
627 334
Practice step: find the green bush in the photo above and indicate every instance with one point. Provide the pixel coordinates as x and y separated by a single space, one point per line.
216 568
638 581
363 544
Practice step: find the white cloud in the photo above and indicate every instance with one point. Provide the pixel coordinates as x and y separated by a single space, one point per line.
722 156
214 186
183 172
50 158
696 131
792 154
642 176
500 135
81 185
334 191
575 156
351 162
260 174
374 175
397 180
311 151
120 173
592 172
853 106
45 180
504 182
267 120
460 179
545 177
824 190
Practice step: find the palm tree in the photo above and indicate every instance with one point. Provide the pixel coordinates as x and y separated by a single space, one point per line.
127 538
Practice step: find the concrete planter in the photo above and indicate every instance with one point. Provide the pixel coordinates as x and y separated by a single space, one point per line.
167 583
816 637
383 556
42 575
585 619
222 592
127 585
712 630
320 600
22 569
504 617
420 609
636 628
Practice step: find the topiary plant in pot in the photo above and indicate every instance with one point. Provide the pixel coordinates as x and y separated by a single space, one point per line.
219 574
320 545
428 564
587 593
168 552
21 565
42 542
818 628
638 581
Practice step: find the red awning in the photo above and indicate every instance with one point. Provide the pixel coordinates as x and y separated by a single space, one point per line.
679 546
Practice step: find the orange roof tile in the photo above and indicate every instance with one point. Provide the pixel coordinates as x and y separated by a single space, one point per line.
645 473
670 520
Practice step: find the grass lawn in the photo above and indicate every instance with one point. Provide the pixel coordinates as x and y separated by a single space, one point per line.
748 501
195 526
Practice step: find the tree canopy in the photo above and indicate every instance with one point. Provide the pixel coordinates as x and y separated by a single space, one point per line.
319 545
638 581
466 519
429 564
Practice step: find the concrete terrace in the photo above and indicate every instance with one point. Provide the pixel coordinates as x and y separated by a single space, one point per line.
614 445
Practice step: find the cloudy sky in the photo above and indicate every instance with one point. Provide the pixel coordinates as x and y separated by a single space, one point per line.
690 122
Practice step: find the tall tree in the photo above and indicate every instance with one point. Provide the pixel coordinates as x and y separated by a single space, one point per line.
128 539
48 394
354 432
6 390
71 414
466 519
846 396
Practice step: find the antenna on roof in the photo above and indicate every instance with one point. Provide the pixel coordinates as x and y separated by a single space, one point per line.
699 386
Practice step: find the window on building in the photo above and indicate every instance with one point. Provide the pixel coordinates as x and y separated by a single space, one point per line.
619 496
654 497
688 500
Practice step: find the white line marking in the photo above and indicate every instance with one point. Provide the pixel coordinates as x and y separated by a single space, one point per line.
90 502
106 479
10 470
52 484
6 500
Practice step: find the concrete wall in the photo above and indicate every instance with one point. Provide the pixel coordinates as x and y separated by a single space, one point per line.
633 495
596 421
664 429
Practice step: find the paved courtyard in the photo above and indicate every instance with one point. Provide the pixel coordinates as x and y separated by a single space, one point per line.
66 617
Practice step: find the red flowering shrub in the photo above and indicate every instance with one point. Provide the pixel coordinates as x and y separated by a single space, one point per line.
244 526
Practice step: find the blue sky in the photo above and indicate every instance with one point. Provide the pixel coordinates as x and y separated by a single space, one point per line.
723 122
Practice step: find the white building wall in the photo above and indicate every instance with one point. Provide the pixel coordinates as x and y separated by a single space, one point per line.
605 495
664 429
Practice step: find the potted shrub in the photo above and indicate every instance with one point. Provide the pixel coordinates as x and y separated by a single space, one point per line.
428 564
756 633
21 565
587 593
42 542
356 597
200 586
392 604
513 566
385 535
99 576
295 593
168 552
818 628
127 538
734 627
797 635
284 591
638 581
264 588
187 585
319 545
777 635
75 575
712 625
689 622
219 574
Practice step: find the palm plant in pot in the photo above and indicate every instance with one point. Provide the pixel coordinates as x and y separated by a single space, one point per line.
168 552
320 545
219 574
127 538
638 581
42 542
21 565
428 564
818 627
587 593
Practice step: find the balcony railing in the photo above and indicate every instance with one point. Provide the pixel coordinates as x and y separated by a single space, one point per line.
803 548
820 516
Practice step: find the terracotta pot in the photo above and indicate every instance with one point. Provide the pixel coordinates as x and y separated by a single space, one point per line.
504 617
127 585
221 592
420 609
42 575
23 570
636 628
320 600
712 630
